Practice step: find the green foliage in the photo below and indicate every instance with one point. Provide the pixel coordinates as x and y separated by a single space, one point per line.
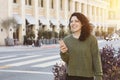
30 35
40 34
61 33
44 34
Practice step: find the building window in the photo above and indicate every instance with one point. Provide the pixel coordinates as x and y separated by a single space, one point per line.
52 5
1 30
10 29
61 7
88 9
68 5
42 3
82 8
76 4
30 2
26 2
14 1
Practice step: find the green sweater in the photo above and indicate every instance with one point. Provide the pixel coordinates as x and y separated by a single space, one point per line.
82 57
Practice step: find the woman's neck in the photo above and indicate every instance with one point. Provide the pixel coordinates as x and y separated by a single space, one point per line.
76 35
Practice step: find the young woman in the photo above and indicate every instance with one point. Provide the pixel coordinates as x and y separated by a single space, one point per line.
80 52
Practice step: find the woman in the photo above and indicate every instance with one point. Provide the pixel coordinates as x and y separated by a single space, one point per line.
80 52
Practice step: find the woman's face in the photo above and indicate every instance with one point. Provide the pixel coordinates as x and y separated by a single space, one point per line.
75 24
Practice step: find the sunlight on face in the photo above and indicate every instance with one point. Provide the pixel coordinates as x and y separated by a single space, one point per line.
75 24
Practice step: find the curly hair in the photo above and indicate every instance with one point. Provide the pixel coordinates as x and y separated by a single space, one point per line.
86 28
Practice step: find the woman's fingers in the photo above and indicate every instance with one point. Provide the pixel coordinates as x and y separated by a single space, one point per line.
61 42
63 47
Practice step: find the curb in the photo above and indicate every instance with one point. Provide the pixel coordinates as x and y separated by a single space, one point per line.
50 46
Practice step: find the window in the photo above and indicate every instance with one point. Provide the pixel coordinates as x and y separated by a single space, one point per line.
68 5
52 5
1 30
82 7
30 2
88 9
41 3
14 1
61 7
26 2
10 29
76 4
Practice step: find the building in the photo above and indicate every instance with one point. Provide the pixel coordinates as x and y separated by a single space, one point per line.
49 15
113 21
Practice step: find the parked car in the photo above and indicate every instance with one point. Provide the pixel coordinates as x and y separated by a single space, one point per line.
113 36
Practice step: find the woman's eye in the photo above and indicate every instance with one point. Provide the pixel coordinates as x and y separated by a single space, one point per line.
71 21
76 21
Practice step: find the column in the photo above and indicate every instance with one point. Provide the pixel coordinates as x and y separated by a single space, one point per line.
66 12
99 16
66 9
10 2
57 11
35 8
47 11
103 16
22 31
94 16
90 12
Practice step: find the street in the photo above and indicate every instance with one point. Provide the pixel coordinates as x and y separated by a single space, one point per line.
33 63
27 63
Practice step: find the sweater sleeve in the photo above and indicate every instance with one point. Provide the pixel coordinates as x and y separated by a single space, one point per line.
97 66
64 56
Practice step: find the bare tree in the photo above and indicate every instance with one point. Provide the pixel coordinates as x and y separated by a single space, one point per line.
7 23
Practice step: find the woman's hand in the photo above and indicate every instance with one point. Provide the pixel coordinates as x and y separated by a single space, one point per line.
63 47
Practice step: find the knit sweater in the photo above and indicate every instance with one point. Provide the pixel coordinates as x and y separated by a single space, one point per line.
82 57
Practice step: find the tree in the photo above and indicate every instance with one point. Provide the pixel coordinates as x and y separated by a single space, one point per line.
61 33
9 22
31 35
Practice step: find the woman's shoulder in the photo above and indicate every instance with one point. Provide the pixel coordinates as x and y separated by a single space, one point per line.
92 37
68 37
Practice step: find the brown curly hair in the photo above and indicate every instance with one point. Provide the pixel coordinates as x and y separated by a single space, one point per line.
86 28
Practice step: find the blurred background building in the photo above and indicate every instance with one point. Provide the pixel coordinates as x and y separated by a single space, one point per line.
34 17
